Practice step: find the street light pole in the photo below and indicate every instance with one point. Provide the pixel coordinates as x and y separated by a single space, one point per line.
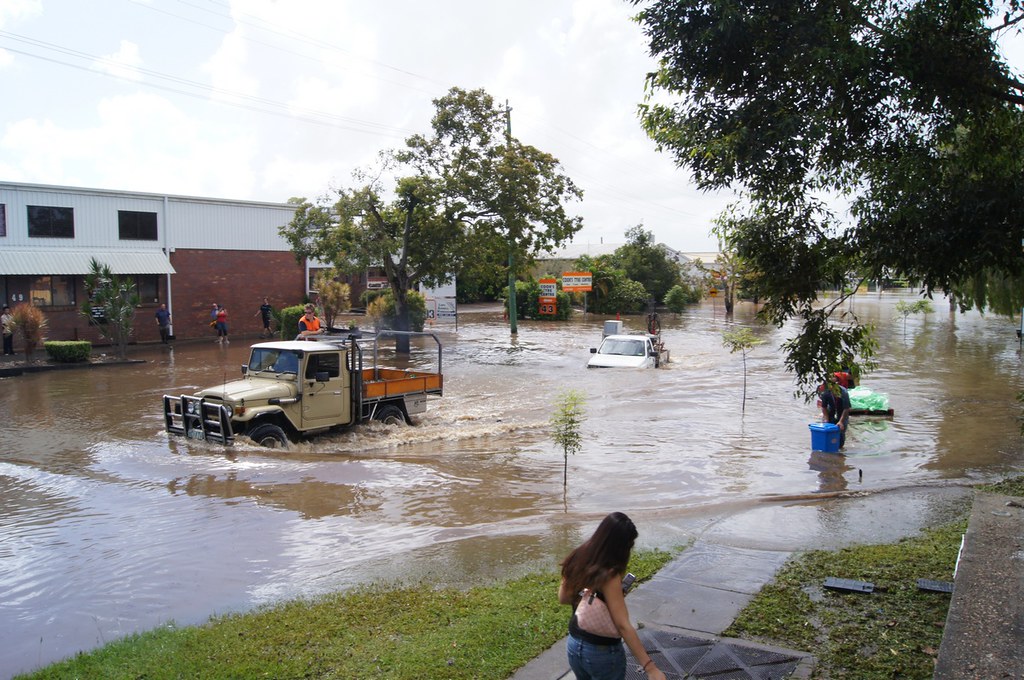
508 227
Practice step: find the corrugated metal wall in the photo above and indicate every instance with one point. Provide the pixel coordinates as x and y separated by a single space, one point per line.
182 222
215 225
95 217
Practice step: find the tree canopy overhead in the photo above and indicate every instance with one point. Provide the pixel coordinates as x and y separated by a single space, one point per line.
905 109
466 190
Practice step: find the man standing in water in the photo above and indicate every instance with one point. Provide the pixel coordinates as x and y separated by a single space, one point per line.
835 406
7 320
163 320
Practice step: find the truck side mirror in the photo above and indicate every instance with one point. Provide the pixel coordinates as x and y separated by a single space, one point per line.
245 370
593 350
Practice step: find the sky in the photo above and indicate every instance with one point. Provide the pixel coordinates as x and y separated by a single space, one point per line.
270 99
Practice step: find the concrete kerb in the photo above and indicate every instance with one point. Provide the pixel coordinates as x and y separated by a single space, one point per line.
15 366
984 627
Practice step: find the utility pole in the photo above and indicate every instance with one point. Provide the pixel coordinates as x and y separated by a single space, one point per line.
508 227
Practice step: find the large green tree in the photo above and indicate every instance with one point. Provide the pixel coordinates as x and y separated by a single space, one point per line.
903 109
647 263
468 188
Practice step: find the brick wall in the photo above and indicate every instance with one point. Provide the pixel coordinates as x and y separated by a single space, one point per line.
236 279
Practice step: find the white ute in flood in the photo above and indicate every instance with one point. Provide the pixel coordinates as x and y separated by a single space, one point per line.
628 351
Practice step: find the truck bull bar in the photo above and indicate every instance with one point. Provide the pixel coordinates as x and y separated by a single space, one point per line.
197 418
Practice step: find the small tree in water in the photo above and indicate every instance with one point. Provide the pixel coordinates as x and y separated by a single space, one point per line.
334 295
565 426
29 322
907 308
741 340
111 305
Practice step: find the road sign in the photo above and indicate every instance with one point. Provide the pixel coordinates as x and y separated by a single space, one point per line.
577 282
548 305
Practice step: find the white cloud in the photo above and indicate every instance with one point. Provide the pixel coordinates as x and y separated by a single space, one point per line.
16 10
228 70
124 63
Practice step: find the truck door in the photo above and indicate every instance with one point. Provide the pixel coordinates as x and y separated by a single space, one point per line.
325 404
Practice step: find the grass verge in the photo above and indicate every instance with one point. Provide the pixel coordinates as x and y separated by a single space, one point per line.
378 632
893 632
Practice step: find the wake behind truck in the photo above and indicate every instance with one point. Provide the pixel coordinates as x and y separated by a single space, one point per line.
294 389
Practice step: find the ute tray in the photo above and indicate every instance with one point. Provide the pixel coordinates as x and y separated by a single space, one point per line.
384 383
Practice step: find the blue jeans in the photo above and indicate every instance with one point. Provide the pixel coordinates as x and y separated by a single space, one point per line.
596 662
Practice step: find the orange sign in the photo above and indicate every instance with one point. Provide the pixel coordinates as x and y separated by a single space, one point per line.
713 292
548 305
548 287
577 282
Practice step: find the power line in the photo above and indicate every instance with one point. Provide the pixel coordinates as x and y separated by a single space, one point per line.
202 91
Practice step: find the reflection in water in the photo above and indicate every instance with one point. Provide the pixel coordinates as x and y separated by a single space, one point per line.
832 469
108 526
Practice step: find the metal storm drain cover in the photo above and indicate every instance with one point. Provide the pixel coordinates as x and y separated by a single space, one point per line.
685 657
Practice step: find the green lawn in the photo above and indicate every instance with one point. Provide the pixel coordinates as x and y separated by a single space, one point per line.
893 632
372 632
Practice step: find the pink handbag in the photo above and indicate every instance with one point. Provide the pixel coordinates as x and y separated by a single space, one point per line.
592 615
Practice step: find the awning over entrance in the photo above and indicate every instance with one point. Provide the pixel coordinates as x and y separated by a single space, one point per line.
50 263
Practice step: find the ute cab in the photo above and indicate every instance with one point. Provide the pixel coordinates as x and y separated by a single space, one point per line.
628 351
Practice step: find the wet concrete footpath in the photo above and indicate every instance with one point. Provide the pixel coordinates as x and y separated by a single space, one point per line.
681 612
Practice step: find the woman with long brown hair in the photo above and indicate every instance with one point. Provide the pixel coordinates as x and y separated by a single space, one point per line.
592 583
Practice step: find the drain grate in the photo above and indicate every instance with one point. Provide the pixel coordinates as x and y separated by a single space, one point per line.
683 657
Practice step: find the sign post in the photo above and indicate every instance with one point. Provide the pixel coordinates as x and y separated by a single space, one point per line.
578 282
547 304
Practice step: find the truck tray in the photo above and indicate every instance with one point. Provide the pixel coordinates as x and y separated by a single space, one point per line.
382 383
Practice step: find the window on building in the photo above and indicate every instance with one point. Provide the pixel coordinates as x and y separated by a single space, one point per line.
3 220
136 226
148 288
52 291
46 221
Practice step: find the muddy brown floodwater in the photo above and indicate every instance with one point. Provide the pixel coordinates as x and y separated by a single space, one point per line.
108 526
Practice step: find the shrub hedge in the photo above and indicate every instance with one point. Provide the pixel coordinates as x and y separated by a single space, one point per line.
68 351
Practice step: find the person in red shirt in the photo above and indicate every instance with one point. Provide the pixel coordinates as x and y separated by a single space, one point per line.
222 325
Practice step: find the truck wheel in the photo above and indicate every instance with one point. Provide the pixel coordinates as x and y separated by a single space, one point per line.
270 436
390 414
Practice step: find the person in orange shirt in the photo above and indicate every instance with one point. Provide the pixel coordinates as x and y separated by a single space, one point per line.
309 325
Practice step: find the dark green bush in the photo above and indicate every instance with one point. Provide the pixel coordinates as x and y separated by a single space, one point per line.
679 296
371 294
289 320
68 351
